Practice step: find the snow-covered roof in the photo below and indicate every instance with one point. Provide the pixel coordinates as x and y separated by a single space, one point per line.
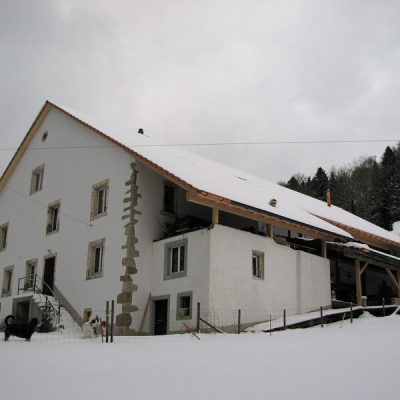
396 228
238 186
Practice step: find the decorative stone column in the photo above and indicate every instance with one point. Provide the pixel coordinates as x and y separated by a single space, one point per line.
124 319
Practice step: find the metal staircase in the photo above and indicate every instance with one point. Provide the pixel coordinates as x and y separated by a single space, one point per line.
49 305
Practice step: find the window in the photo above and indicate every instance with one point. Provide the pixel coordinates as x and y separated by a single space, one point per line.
175 259
3 236
95 259
37 179
30 272
184 305
169 198
258 264
7 281
99 200
53 217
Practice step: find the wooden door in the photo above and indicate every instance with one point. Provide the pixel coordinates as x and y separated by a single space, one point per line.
48 275
160 316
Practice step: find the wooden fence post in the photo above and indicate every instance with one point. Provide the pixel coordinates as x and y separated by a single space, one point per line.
270 325
112 321
284 319
322 317
198 318
383 307
238 322
351 312
107 318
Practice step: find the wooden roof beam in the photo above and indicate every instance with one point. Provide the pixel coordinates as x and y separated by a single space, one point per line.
226 205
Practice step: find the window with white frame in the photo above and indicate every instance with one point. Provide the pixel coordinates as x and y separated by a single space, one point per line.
99 199
258 264
184 305
3 236
95 259
30 273
175 265
37 179
53 217
7 281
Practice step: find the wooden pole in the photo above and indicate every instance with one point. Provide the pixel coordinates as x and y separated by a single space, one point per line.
215 216
284 319
112 321
357 278
144 314
238 322
351 312
198 318
270 325
324 250
107 318
322 317
398 283
383 307
271 231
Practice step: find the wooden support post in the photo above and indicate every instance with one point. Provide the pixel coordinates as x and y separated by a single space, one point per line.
271 231
363 268
107 318
215 216
238 322
357 277
198 318
351 312
322 317
270 324
324 249
112 322
398 281
284 319
393 278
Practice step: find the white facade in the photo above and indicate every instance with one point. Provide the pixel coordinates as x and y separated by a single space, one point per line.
218 271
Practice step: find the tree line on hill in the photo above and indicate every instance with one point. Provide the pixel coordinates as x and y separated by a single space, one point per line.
368 188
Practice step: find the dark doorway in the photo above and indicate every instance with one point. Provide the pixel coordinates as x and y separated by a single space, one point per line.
160 316
22 312
48 275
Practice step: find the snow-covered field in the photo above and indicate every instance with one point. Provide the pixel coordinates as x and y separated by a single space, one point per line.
359 360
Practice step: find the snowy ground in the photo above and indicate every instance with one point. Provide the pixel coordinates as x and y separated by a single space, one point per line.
356 361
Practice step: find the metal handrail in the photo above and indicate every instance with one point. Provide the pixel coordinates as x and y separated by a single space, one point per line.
35 279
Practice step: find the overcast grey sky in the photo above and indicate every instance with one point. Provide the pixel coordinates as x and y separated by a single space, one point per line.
211 71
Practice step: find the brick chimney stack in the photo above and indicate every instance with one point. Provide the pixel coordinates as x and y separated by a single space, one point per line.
328 198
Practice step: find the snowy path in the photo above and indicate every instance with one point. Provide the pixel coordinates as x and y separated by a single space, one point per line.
356 361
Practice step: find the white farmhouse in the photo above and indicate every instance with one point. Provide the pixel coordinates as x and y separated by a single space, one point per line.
86 218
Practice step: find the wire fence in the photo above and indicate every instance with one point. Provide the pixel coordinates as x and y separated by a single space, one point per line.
209 321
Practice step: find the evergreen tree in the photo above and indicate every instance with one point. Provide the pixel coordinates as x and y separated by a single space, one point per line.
320 184
386 187
367 188
395 188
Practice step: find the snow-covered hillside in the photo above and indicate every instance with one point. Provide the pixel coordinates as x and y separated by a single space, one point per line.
358 360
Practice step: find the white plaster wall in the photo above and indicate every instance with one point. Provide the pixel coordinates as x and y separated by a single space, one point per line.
69 175
196 280
232 286
314 286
